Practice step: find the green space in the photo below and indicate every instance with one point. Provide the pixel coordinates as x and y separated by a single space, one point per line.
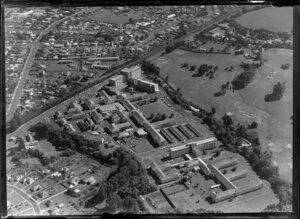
246 105
109 16
277 19
157 107
46 148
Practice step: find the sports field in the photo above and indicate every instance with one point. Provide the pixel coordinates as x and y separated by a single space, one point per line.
278 19
246 105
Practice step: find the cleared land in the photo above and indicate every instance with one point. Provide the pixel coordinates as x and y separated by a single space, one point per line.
246 105
271 18
109 16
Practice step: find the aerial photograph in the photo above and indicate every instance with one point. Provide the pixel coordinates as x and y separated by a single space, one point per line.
149 109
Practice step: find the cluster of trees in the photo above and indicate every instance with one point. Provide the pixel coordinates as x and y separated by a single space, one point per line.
206 70
229 68
159 117
123 186
285 66
149 68
106 36
224 88
32 153
147 101
277 93
242 80
68 143
173 47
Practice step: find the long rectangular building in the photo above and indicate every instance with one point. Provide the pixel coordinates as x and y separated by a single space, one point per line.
168 136
193 129
179 151
185 131
174 133
156 136
206 144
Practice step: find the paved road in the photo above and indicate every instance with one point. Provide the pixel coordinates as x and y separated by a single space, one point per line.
27 66
116 71
35 206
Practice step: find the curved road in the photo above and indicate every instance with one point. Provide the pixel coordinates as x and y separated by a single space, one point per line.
116 71
27 66
34 204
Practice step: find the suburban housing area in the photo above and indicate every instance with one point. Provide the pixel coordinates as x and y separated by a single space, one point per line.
96 122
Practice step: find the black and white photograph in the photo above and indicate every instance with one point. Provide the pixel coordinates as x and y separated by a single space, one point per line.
172 109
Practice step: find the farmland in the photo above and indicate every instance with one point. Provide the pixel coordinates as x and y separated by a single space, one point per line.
246 105
271 18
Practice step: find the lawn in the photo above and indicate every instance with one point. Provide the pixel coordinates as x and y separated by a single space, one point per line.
47 148
271 18
52 66
14 198
216 46
157 107
246 105
31 161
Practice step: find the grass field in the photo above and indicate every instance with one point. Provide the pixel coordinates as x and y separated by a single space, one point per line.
108 16
246 105
271 18
157 107
47 148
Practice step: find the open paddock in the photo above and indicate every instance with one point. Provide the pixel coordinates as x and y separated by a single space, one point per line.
47 148
54 66
270 18
246 105
108 16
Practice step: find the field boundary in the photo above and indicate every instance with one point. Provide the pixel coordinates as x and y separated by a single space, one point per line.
205 52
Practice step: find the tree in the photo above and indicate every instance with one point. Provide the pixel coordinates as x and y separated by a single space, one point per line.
151 116
217 153
253 125
213 110
241 131
227 120
114 201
